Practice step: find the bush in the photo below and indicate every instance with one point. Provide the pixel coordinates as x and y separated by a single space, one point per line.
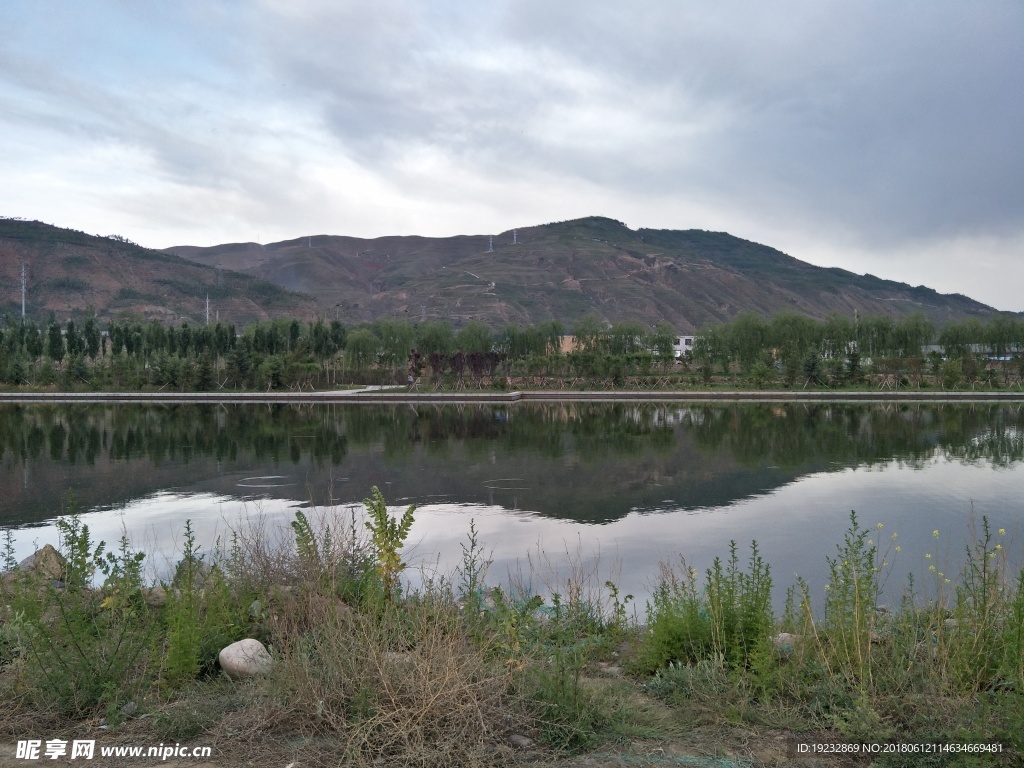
85 648
727 620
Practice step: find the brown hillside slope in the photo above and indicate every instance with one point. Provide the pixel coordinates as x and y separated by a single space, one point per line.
568 269
73 274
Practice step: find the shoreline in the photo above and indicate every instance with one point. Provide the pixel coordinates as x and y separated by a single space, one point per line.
378 395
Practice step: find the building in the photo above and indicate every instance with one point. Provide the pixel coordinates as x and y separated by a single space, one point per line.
683 345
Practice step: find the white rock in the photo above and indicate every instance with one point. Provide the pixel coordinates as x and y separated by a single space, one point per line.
785 642
245 658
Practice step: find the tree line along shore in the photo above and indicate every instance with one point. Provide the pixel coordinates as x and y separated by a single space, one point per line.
788 351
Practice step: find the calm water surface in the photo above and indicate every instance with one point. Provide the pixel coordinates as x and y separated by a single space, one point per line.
618 487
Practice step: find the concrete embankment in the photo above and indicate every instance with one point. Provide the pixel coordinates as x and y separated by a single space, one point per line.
401 395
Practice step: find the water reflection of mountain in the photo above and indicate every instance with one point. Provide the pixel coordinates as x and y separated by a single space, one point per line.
584 461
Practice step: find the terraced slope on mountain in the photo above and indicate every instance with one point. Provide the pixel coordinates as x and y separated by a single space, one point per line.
71 274
567 269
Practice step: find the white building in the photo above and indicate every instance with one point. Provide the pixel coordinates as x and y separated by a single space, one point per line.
683 345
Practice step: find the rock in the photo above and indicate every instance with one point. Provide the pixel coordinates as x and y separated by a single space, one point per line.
46 562
950 623
520 742
246 658
785 642
155 596
129 709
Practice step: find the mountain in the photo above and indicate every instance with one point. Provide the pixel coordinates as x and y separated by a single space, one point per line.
72 274
568 269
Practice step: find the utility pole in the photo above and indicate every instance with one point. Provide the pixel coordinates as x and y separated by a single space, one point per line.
23 291
514 241
207 309
490 244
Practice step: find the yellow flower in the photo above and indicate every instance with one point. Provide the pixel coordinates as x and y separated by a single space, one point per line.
935 533
880 526
898 548
927 555
999 546
1002 531
931 568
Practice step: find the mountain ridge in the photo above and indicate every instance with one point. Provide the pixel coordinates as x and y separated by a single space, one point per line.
563 270
73 274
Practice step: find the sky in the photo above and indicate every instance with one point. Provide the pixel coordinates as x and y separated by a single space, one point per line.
880 137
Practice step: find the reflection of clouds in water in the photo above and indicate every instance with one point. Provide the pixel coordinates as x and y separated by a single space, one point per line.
262 482
796 526
155 524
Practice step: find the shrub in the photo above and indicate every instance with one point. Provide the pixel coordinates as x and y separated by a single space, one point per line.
85 648
727 620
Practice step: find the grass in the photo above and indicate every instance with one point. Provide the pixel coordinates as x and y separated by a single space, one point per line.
370 672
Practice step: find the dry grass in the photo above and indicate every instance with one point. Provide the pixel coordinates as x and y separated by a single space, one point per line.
397 688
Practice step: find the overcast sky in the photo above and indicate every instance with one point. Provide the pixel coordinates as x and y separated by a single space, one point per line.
882 137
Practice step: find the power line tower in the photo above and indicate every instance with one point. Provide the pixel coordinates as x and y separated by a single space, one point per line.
207 309
23 283
514 241
490 244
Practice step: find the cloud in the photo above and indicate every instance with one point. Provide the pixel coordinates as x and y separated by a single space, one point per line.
852 131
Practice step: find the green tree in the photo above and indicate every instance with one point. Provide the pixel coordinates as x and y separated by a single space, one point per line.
474 337
396 339
589 333
92 338
435 336
662 342
55 342
361 349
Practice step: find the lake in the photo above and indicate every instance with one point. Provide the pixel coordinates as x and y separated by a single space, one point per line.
617 487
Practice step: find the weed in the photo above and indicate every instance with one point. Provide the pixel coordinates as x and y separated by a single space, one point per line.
8 562
202 615
387 536
727 620
472 571
850 599
182 655
85 650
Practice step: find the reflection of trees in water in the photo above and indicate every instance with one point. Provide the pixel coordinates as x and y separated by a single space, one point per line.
785 435
172 433
795 434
